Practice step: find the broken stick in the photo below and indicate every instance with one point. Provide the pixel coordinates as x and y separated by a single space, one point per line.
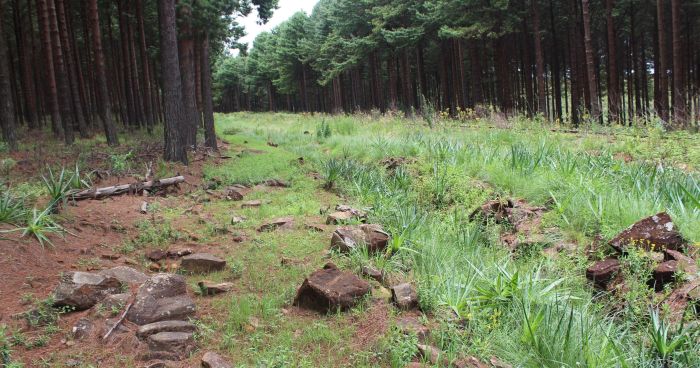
118 322
120 189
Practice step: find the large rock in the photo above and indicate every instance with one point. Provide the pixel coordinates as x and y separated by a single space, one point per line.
347 238
178 343
162 297
82 290
603 272
214 360
202 263
126 275
330 289
654 233
164 326
404 296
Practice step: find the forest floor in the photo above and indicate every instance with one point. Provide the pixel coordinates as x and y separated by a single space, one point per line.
482 287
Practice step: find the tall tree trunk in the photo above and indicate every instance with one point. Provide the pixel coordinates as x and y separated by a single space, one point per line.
64 91
539 60
613 80
207 101
7 110
590 60
29 88
663 67
45 31
175 113
679 98
71 68
147 87
101 76
186 50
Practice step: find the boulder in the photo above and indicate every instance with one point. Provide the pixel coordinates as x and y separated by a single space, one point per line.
663 274
214 360
164 326
331 289
126 275
404 296
212 288
162 297
347 238
82 290
602 272
655 233
202 263
279 223
178 343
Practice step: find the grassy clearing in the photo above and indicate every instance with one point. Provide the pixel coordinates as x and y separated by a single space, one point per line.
528 310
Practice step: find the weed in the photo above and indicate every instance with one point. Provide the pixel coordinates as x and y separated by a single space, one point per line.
665 343
58 187
120 163
39 226
12 210
323 131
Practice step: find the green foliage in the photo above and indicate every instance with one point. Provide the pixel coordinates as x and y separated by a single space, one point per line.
667 344
39 225
323 131
58 187
401 348
120 164
12 209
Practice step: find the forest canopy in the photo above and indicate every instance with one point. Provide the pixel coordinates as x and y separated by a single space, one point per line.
612 61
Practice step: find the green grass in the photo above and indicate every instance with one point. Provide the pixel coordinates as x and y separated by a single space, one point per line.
529 310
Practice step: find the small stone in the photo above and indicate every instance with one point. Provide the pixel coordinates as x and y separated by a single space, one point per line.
211 288
685 263
144 207
82 329
179 343
237 220
347 238
330 289
279 223
202 263
276 183
602 272
164 326
663 274
156 255
155 267
250 204
412 326
372 273
116 301
178 253
431 353
162 297
109 256
235 193
214 360
404 296
338 217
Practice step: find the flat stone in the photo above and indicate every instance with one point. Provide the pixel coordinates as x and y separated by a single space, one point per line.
126 275
373 273
202 263
404 296
686 264
338 218
179 343
663 274
82 290
162 297
156 255
656 233
602 272
179 253
410 325
331 289
254 203
347 238
236 193
276 183
212 288
82 329
214 360
164 326
277 224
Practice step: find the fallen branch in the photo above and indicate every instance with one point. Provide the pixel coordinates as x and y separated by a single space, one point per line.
118 322
133 188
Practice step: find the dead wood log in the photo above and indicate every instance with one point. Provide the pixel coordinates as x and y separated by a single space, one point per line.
133 188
